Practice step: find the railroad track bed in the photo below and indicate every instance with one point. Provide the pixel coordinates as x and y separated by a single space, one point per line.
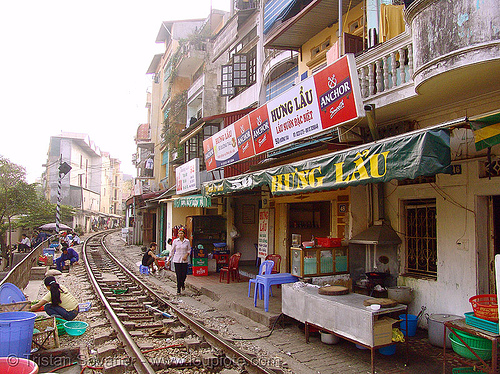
164 341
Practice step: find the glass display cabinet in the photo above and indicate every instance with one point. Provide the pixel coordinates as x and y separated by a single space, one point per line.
318 261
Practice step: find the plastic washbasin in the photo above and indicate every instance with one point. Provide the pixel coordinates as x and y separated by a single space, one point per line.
473 341
75 328
462 350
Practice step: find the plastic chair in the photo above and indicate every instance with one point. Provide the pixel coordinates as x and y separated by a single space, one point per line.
277 262
232 269
265 268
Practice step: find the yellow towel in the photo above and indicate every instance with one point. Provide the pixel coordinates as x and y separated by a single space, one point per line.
391 21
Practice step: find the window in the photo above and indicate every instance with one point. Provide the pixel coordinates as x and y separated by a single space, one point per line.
252 66
282 83
320 48
227 88
420 237
241 70
193 147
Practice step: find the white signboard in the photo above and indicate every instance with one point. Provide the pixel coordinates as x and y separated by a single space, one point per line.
295 114
263 241
187 177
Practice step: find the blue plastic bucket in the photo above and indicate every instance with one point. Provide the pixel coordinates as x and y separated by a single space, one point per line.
16 333
389 350
412 324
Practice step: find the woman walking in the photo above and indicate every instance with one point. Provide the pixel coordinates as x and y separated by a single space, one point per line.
179 255
58 301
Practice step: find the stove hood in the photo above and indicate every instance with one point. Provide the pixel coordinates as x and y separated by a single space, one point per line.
379 234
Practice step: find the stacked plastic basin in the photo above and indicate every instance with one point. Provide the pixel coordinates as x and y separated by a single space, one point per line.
16 334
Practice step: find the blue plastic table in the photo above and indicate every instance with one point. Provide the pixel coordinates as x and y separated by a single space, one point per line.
267 281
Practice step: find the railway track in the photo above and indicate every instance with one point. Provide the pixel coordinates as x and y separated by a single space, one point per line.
155 334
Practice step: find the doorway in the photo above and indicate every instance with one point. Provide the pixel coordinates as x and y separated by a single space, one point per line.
494 239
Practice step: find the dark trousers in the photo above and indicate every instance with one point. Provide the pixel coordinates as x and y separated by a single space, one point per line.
52 310
181 270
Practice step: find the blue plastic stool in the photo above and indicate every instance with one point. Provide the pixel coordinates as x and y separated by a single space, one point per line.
143 269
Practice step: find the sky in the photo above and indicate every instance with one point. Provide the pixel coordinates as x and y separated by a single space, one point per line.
79 66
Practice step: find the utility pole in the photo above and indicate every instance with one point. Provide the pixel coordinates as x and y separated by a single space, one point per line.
64 169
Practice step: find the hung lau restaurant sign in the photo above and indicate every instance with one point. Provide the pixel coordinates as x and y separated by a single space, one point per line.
327 99
416 154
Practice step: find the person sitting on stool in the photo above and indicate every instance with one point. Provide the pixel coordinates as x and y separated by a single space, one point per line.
67 254
150 257
25 244
58 302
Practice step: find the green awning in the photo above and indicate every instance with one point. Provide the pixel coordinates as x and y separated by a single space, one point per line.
486 130
423 152
193 201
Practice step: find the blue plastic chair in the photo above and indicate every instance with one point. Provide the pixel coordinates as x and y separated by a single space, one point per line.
265 268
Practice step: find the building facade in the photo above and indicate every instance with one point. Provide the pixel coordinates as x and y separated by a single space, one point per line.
409 184
92 185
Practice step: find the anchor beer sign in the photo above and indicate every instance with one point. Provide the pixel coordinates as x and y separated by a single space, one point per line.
321 102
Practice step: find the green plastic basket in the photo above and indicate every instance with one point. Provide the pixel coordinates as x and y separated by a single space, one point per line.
473 341
60 326
462 350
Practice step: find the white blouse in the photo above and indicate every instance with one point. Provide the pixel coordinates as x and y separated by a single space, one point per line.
180 249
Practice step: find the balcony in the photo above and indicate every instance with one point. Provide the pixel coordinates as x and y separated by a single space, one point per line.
459 51
241 5
385 71
193 55
195 87
287 26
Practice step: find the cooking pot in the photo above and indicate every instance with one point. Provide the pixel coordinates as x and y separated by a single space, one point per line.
435 324
401 294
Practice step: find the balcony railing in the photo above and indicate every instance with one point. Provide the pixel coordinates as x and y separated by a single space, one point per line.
196 86
245 4
386 67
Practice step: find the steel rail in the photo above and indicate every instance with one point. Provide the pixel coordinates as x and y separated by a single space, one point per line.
140 362
229 350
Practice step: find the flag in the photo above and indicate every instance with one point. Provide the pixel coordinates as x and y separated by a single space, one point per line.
486 130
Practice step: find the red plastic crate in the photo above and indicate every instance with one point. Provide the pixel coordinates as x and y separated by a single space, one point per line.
329 242
200 271
222 259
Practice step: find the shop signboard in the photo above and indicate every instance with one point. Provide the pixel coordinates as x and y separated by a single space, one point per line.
187 177
423 152
193 201
327 99
230 145
263 240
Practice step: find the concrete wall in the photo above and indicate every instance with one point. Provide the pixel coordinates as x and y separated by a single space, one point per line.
456 197
468 34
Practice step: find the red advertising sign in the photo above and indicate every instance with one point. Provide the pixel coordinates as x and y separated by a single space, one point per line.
230 145
261 130
336 97
327 99
244 138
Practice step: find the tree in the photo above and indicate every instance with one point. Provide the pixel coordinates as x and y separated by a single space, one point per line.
42 211
21 200
15 196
